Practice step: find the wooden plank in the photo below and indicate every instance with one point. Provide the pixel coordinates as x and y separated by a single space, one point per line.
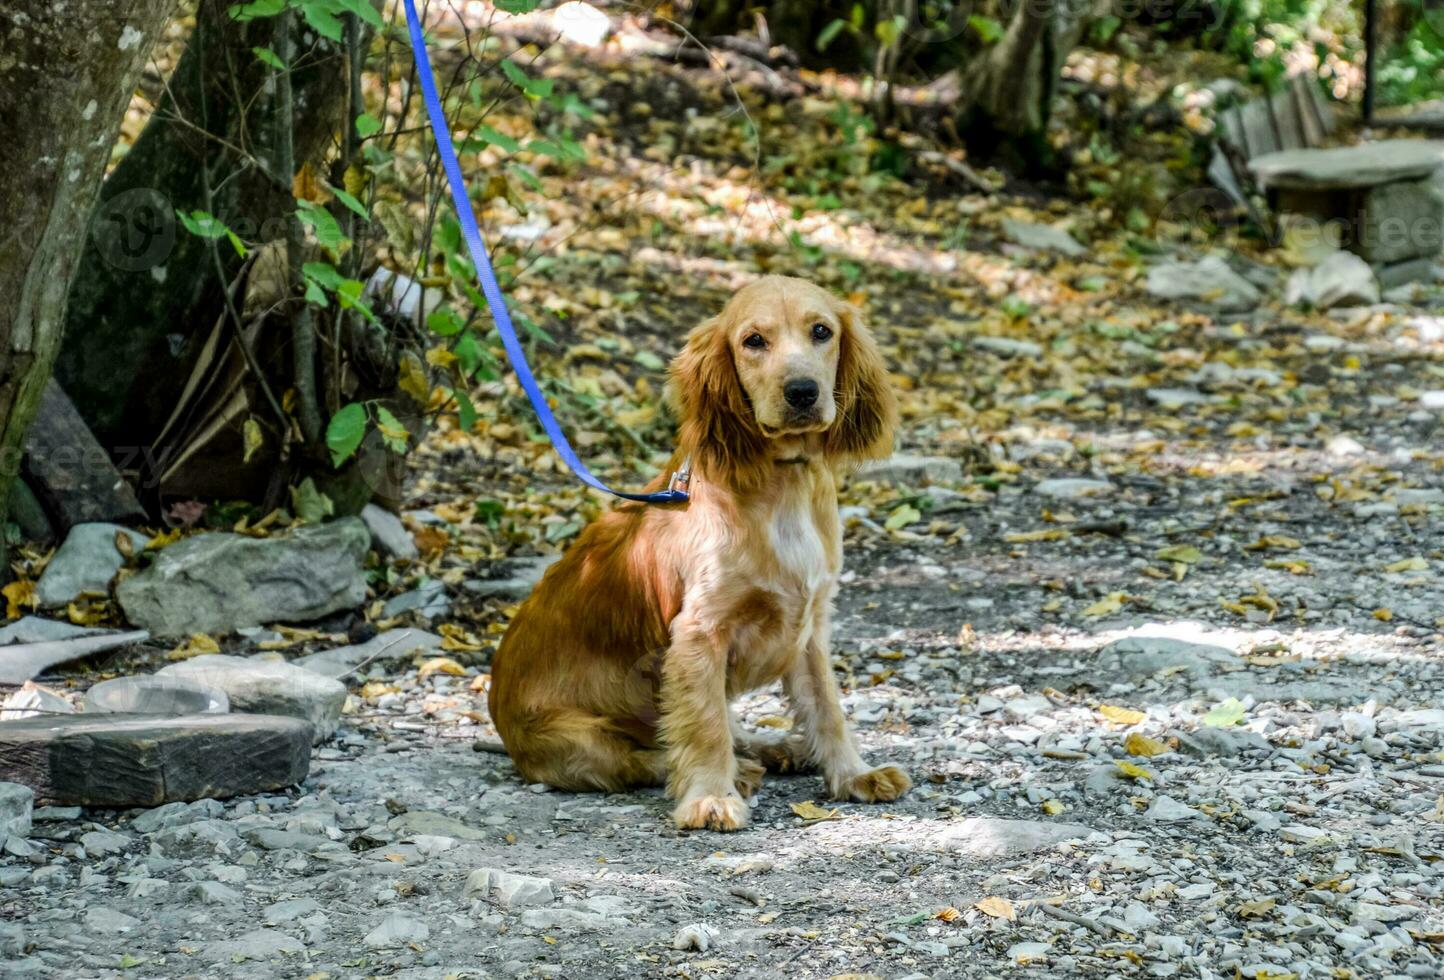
71 473
147 760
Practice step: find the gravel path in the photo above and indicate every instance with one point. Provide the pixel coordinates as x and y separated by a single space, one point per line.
1299 833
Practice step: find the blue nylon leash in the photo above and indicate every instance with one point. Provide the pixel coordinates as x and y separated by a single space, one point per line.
491 289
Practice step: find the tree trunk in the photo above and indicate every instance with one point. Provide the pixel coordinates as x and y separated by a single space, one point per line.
67 72
1008 95
154 292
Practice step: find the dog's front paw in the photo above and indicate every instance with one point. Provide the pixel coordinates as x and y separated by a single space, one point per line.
727 812
874 786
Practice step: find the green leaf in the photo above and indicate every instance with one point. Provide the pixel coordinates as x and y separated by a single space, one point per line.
236 243
445 322
465 410
203 224
1225 714
324 273
310 504
489 511
269 57
988 29
367 125
536 88
349 199
829 34
393 433
260 8
323 223
517 6
321 15
362 9
498 139
468 354
345 431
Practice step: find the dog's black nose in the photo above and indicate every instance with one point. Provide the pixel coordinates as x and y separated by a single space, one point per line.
800 392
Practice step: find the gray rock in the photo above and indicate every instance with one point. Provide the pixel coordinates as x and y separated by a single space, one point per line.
698 936
135 760
213 893
272 839
1043 238
1165 809
432 824
259 944
910 470
175 815
12 939
1073 488
1342 279
1176 397
388 534
507 890
37 629
1349 167
32 701
19 662
396 929
570 919
17 807
99 843
525 574
269 687
155 694
86 562
1008 347
107 920
989 837
217 583
1221 742
1140 657
289 910
384 647
1210 280
428 600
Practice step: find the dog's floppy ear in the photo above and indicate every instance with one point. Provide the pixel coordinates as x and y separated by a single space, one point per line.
866 404
718 431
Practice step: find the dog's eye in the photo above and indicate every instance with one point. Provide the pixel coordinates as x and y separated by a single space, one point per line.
821 332
755 341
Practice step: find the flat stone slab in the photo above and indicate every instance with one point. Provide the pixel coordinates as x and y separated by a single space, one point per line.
137 760
268 687
1348 167
990 837
19 662
152 694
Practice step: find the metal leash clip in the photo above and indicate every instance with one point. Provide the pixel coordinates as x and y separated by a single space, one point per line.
681 477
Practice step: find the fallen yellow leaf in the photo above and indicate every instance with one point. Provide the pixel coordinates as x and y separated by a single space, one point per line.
1415 564
812 813
1121 716
440 665
18 594
1108 605
1132 771
1139 744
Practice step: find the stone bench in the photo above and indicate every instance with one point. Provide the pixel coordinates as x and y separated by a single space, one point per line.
1384 200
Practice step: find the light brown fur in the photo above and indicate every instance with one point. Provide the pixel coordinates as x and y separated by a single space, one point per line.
620 668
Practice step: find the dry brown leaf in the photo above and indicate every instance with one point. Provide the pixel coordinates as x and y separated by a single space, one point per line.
997 906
